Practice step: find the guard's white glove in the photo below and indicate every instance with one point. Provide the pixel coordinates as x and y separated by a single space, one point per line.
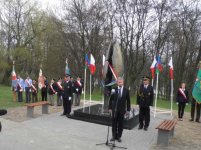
186 104
77 90
177 103
69 98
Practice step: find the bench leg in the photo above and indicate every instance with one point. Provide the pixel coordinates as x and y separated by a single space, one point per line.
30 111
0 126
163 137
172 132
45 109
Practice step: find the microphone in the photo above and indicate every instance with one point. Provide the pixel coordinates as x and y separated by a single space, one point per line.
112 91
3 112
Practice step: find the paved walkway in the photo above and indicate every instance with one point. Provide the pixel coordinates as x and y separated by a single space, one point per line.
55 132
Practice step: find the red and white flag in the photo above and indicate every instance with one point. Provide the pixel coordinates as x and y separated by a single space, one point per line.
92 66
41 81
171 68
152 68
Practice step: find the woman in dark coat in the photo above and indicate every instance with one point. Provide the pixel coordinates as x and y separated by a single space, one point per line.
182 100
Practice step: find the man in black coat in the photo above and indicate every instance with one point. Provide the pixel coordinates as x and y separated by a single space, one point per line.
118 104
145 97
67 95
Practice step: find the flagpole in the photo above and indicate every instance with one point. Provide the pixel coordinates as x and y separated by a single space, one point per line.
90 90
157 75
152 82
171 96
85 72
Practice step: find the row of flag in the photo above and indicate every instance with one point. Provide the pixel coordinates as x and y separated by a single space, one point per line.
156 67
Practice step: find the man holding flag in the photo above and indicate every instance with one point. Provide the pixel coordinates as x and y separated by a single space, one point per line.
197 89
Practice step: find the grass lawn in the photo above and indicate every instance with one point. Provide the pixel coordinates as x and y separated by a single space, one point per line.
6 100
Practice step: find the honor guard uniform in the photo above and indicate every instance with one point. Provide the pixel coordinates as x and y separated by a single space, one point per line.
44 89
20 88
78 91
67 95
27 85
144 100
34 90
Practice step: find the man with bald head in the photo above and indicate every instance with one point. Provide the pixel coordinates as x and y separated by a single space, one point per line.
119 104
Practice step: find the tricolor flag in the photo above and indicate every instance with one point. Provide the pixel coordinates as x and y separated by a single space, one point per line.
171 68
87 61
152 68
92 66
67 70
159 67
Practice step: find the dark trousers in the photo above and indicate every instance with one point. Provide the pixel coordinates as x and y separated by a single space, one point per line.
181 107
44 94
19 95
117 125
197 110
144 116
28 94
59 100
34 97
66 106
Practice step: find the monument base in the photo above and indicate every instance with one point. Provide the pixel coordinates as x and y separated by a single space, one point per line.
94 114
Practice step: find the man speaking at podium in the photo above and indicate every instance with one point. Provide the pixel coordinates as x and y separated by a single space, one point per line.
118 104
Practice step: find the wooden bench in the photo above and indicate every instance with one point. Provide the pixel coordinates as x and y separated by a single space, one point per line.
165 131
30 108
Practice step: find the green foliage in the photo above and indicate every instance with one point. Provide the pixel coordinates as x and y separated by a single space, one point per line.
6 100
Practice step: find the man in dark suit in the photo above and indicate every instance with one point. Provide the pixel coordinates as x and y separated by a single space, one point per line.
67 95
118 104
144 100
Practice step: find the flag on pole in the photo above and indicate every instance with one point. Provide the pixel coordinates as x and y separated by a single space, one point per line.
152 68
92 66
158 66
67 69
197 87
14 78
41 81
87 61
171 68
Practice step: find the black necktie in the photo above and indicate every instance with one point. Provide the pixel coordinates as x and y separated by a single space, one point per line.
119 93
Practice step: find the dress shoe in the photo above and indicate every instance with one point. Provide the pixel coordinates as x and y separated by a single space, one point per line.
140 127
112 139
197 121
191 120
62 114
145 128
119 139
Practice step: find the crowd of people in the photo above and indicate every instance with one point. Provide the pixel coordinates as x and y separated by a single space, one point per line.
67 91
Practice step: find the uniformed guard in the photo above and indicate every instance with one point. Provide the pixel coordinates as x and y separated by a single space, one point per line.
67 95
144 100
20 88
27 85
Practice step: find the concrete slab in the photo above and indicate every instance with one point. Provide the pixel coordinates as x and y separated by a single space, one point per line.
55 132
